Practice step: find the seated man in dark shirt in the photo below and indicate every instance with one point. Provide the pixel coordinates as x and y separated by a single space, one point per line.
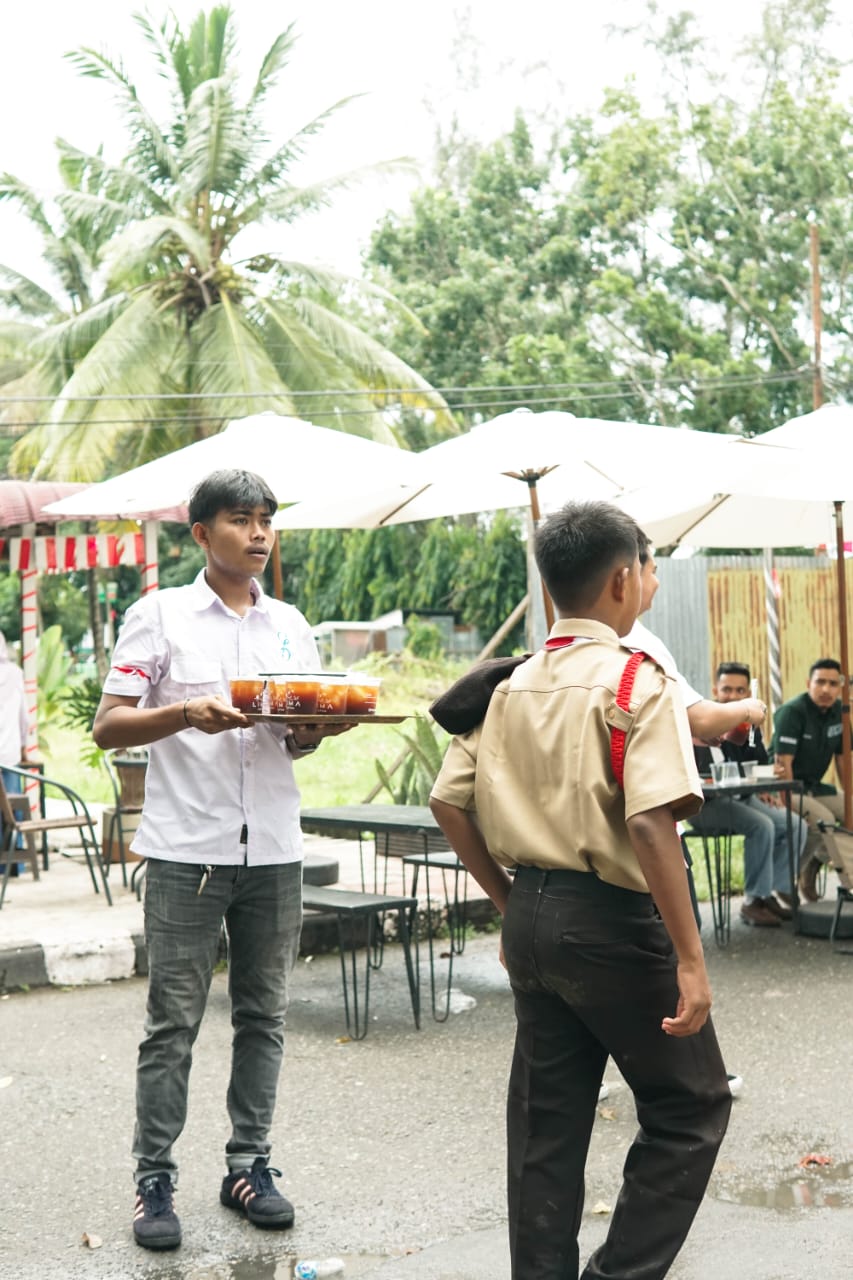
761 820
806 739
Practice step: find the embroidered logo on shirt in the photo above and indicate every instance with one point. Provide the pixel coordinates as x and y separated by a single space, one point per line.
132 671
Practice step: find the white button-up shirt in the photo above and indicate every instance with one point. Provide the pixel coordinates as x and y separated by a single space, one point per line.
204 791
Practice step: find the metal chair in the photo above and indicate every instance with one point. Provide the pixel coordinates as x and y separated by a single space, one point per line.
18 821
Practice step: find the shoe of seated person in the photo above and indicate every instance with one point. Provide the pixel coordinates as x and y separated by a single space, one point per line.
155 1223
777 907
787 899
253 1192
755 913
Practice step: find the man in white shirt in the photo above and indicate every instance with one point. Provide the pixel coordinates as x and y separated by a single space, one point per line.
220 830
708 720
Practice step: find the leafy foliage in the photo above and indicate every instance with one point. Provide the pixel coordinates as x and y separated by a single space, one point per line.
475 569
52 675
79 702
154 298
647 265
413 781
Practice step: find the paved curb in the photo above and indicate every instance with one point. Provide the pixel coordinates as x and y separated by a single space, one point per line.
124 955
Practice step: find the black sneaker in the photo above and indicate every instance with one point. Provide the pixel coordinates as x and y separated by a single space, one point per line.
253 1193
155 1223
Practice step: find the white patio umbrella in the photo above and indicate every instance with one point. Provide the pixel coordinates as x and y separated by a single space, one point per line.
796 499
296 458
517 459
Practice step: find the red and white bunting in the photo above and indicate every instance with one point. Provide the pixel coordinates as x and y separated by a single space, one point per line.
65 554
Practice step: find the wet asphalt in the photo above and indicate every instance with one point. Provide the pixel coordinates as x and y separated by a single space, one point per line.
393 1147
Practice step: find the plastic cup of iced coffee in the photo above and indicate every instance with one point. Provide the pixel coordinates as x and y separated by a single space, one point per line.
248 694
332 694
363 691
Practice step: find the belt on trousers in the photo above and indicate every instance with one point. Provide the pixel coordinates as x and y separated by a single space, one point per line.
583 882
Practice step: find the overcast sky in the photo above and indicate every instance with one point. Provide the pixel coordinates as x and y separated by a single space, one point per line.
413 62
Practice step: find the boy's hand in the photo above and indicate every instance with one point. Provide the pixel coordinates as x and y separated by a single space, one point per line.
694 1001
213 715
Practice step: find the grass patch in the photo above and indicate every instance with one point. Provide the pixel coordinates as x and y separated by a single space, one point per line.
700 874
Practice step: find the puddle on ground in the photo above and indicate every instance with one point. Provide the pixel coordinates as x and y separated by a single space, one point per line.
262 1268
820 1187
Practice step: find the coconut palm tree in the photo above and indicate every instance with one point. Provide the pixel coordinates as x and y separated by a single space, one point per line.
184 334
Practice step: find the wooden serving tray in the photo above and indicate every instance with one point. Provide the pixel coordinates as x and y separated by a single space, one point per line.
318 717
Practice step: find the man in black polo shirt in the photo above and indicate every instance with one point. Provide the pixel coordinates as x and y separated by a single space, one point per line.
806 736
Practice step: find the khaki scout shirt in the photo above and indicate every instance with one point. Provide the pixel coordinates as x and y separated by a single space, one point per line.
537 771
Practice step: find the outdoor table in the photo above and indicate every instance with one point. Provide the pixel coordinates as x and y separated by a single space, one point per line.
719 866
410 833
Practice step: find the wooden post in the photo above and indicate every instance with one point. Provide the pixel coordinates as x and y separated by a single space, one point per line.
817 318
838 509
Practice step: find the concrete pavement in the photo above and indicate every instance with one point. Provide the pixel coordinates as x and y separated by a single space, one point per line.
393 1148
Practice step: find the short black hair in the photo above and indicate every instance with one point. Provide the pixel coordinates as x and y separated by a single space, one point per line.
733 669
831 664
577 546
644 546
227 490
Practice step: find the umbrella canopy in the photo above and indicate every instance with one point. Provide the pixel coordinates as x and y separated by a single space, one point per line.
543 459
796 499
516 459
295 458
24 501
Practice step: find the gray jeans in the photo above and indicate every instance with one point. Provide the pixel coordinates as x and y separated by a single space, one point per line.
262 909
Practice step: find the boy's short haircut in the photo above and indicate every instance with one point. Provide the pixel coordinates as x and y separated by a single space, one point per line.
644 546
733 669
578 546
825 664
228 490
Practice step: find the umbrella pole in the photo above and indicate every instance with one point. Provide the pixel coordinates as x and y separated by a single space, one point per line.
847 783
771 607
536 515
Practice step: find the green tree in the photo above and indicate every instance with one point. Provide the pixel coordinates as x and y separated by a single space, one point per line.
649 265
183 315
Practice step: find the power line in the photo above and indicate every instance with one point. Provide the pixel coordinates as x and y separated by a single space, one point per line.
630 386
466 407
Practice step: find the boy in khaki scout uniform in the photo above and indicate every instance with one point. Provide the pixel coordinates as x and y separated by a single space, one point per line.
595 970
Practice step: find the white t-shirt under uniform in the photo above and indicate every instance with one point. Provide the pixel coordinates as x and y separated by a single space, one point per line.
639 637
203 792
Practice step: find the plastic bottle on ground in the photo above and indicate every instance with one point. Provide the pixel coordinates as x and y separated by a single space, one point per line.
316 1269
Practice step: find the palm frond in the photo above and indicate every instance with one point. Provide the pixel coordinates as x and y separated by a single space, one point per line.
378 366
286 204
21 294
15 361
229 356
305 363
150 141
157 241
335 283
71 338
120 184
214 152
89 413
274 61
12 188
